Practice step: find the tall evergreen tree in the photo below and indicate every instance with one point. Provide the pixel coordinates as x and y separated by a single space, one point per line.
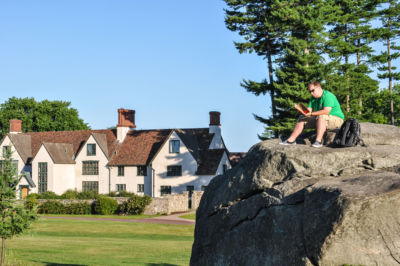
14 217
389 32
253 20
302 61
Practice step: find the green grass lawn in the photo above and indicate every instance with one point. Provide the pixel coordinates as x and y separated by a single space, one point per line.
191 216
77 242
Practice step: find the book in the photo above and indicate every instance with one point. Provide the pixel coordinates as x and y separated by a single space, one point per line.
301 108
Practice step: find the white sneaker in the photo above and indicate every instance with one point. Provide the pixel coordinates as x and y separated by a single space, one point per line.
317 144
287 143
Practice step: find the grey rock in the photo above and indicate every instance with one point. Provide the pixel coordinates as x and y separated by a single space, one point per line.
297 205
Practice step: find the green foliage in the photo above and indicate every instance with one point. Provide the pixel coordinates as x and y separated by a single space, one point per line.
78 208
134 205
105 205
48 195
31 203
87 194
40 116
51 207
125 194
15 218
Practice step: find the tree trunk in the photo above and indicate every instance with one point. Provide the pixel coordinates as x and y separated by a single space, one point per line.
359 63
3 250
271 77
346 60
390 78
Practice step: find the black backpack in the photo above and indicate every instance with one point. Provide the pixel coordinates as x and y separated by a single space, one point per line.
349 134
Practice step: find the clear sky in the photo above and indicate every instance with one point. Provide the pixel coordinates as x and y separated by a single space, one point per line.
171 61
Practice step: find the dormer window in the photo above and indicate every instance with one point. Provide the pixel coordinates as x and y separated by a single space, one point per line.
91 150
174 146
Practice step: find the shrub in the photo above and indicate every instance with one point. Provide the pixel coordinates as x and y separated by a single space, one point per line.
87 194
112 194
51 207
78 208
32 196
70 194
124 193
48 195
30 203
105 205
134 205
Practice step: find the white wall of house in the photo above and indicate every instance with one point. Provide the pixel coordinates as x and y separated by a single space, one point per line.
224 161
102 178
130 179
184 158
63 178
43 156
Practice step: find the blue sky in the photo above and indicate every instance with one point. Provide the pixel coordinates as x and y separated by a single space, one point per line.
171 61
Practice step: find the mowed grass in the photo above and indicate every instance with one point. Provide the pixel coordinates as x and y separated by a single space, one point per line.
72 242
191 216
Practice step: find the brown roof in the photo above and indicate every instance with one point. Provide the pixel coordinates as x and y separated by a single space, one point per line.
195 139
29 143
139 147
22 144
235 157
61 153
209 161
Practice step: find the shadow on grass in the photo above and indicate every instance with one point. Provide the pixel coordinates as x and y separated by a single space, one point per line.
160 264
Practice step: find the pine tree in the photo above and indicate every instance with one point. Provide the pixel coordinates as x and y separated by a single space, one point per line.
302 61
253 20
390 30
14 217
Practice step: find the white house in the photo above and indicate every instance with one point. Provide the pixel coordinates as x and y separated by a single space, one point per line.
151 162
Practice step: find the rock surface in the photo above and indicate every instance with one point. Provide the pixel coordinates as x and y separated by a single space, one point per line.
297 205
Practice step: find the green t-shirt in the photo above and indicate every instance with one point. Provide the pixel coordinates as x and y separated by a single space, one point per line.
328 99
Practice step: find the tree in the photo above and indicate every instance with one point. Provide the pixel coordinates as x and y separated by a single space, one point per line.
389 31
14 217
253 20
40 116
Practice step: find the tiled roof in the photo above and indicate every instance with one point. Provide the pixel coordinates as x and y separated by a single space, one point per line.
76 138
61 153
235 157
209 161
195 139
22 144
139 147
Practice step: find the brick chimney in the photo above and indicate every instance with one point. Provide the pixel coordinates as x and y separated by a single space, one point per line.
126 122
215 128
15 126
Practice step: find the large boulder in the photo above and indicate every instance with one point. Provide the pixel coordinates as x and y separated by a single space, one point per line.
298 205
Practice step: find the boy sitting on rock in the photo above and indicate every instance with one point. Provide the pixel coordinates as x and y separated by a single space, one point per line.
324 113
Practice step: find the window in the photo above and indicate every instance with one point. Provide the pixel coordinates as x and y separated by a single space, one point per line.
140 188
5 150
224 168
174 146
90 186
121 187
121 170
91 149
142 170
90 167
42 167
174 170
165 190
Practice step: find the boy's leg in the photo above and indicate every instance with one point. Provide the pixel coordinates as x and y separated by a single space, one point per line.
321 128
296 131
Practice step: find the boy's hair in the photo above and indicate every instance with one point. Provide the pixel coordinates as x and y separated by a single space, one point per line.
315 84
